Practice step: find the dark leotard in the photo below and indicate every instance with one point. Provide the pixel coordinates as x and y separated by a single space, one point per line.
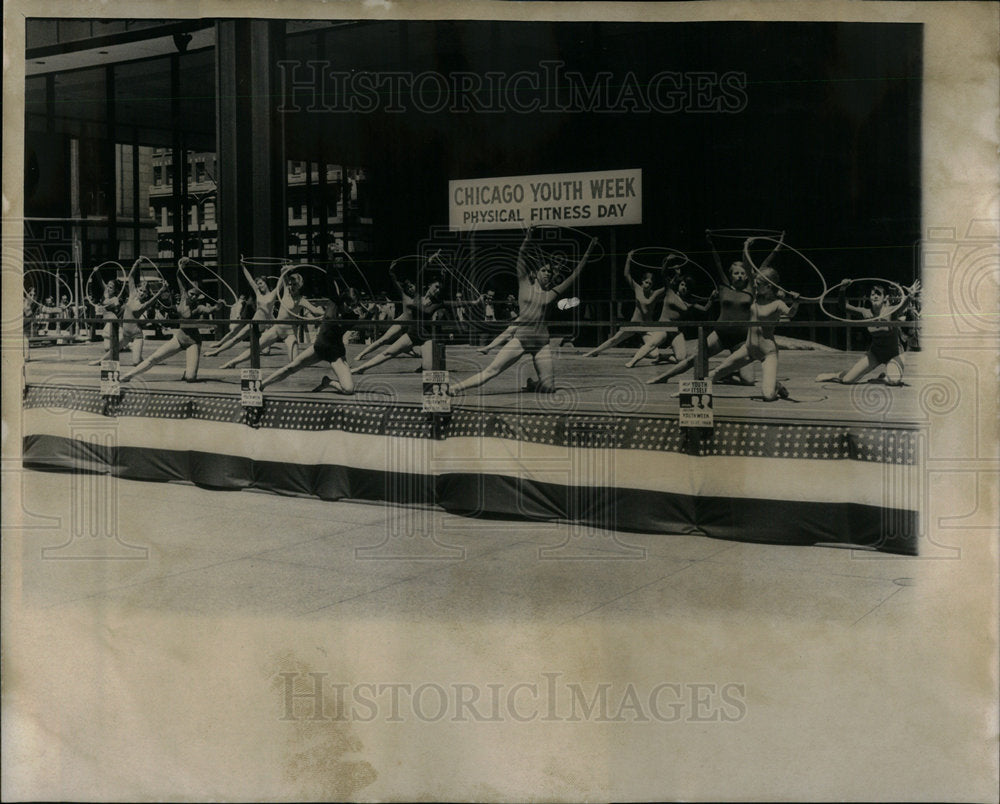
329 343
734 305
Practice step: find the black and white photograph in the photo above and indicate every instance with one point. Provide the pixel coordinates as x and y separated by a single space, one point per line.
501 401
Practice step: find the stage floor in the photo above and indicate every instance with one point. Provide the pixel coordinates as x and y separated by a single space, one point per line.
584 385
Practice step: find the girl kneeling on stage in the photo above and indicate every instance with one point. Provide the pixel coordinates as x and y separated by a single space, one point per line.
535 297
760 345
193 304
885 348
328 347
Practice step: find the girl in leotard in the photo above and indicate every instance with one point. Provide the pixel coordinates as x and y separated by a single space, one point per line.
676 305
137 302
264 300
413 335
291 300
734 305
536 294
645 300
193 303
328 346
760 345
407 291
885 349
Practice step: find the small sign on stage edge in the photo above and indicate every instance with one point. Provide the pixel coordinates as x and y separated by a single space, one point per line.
436 399
696 404
251 394
111 378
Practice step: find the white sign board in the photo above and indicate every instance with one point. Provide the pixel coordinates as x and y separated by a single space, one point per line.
596 198
436 399
251 395
111 378
696 404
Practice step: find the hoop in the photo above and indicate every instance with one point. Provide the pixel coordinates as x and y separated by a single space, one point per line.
757 271
874 279
122 282
556 227
358 269
216 275
264 262
453 272
680 266
156 268
59 280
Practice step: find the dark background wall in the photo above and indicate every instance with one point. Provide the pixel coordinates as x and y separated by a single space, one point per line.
827 146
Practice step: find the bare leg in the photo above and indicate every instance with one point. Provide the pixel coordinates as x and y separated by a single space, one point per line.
545 368
401 345
266 339
168 349
306 357
502 338
654 340
714 347
192 358
731 364
769 385
387 337
229 341
137 350
618 337
853 374
506 358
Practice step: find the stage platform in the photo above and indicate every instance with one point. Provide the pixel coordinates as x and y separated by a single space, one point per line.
832 464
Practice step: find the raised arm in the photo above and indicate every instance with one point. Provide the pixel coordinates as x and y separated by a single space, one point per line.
628 273
522 269
851 308
716 259
704 307
563 286
150 301
775 250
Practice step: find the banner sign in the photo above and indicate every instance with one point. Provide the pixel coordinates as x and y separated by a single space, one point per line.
696 404
436 399
596 198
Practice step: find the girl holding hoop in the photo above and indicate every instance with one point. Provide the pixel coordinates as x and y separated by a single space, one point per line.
676 304
136 303
264 299
412 337
193 303
645 298
328 346
536 294
291 300
768 306
885 346
407 291
735 301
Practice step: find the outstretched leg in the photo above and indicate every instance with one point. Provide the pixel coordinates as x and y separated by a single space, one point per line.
266 339
306 357
402 344
653 341
168 349
505 358
387 337
502 338
711 343
545 367
853 374
618 337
